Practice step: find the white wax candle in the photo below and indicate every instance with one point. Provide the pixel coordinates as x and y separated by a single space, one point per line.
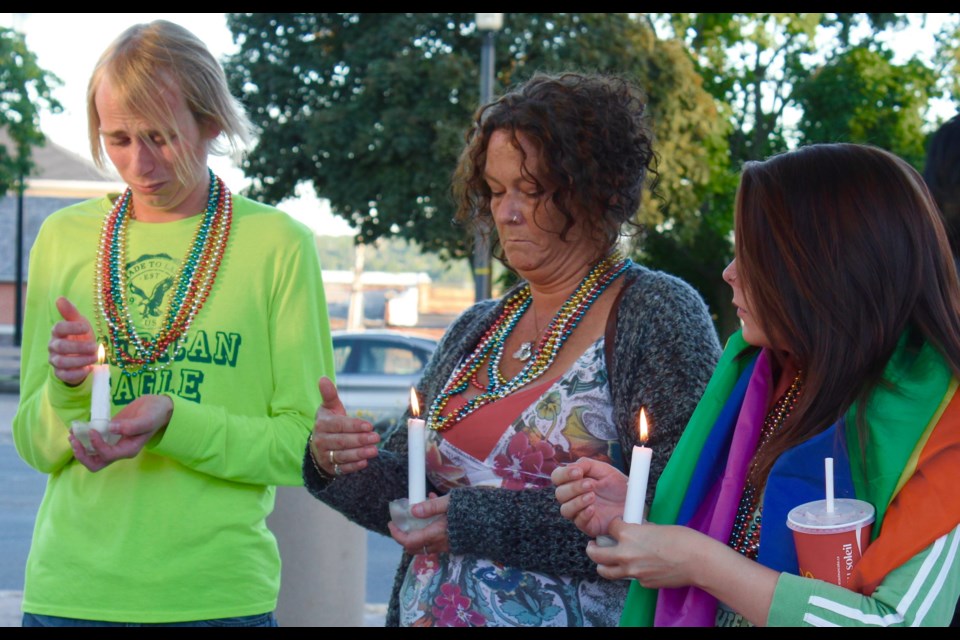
100 396
416 454
639 474
416 460
637 485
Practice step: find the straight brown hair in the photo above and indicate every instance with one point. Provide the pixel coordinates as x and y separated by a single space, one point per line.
841 248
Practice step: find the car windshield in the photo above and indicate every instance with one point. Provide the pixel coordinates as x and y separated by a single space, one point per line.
370 357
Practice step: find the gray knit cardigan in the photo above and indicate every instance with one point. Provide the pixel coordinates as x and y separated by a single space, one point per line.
665 350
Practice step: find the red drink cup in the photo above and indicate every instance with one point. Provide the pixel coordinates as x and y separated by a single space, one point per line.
829 544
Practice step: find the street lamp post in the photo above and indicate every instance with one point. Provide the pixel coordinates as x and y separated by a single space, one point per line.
488 24
18 291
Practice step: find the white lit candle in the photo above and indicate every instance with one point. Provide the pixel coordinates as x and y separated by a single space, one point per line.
639 474
416 454
100 396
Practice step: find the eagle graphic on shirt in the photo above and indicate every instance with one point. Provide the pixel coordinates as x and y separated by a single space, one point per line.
152 303
150 282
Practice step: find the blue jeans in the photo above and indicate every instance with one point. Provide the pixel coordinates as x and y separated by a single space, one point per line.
259 620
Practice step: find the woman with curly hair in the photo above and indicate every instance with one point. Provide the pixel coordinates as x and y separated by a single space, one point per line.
555 370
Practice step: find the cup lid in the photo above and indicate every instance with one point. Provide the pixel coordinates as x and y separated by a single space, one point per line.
847 514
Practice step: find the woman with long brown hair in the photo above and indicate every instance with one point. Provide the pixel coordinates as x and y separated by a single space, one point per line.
849 349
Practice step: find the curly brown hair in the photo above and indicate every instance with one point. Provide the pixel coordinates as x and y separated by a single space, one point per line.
595 146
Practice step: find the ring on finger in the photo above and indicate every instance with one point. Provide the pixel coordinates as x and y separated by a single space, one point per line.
333 458
336 470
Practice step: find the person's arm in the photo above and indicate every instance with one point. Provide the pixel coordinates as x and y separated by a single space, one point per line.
47 405
921 592
517 528
268 449
364 496
659 557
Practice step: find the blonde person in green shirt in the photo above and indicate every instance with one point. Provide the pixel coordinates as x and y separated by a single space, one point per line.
212 312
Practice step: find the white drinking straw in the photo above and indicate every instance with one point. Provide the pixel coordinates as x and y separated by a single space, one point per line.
828 467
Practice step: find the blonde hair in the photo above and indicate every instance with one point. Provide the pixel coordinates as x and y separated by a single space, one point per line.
146 60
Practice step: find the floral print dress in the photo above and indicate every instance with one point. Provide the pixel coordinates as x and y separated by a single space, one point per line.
571 418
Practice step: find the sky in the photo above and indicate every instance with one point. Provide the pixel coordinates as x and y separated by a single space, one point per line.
68 44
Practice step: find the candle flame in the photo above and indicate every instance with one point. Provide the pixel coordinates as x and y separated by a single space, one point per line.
414 403
101 354
642 426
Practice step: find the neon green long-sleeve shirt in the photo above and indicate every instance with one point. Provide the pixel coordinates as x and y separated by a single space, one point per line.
178 532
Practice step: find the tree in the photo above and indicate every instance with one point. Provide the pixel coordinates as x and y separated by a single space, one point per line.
25 89
947 59
753 62
861 96
371 108
832 70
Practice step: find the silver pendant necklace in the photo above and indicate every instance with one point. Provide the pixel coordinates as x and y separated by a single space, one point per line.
524 352
526 348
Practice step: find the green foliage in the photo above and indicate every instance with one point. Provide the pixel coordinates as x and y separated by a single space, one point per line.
698 254
757 61
830 68
368 108
371 108
947 58
750 60
25 89
861 96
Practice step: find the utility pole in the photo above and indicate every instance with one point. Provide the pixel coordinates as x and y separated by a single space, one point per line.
488 24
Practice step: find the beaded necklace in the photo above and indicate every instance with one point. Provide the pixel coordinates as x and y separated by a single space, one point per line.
491 345
745 537
135 354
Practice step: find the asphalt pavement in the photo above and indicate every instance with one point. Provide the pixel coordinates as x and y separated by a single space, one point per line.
14 512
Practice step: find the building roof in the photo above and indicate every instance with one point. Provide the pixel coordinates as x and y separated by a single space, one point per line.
59 178
53 162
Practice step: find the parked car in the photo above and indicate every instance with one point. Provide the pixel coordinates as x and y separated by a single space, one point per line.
376 370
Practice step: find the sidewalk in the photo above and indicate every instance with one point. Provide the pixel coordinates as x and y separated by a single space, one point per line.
10 608
9 365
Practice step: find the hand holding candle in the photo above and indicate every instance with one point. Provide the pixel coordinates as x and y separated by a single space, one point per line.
416 473
99 407
639 475
636 483
416 453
